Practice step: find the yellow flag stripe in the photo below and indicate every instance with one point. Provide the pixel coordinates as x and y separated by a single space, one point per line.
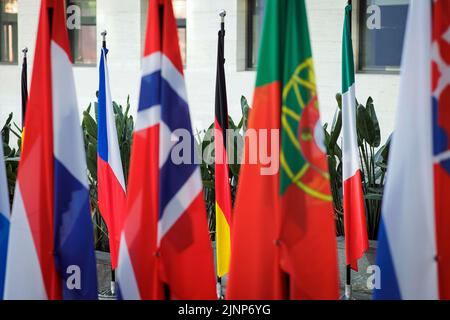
223 247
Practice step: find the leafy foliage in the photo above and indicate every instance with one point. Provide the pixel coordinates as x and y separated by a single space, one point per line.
12 155
374 159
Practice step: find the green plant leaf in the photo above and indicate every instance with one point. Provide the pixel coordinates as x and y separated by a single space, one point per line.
336 128
373 196
90 124
245 108
339 100
375 125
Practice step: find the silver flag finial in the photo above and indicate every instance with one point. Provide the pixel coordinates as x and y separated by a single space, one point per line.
222 15
103 34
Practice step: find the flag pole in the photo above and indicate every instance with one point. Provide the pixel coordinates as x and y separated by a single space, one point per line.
348 282
349 2
103 34
113 272
220 295
24 85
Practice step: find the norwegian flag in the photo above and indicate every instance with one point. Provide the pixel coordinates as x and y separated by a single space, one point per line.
165 250
51 243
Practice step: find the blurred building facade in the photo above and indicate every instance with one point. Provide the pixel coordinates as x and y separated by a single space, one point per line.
378 28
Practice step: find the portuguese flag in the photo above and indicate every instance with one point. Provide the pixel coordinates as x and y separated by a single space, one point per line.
356 241
284 237
222 186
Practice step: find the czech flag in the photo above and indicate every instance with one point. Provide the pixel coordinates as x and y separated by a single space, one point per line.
165 251
51 244
111 182
413 250
4 219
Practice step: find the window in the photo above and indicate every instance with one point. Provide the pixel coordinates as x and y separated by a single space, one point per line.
381 42
8 31
179 8
83 35
255 13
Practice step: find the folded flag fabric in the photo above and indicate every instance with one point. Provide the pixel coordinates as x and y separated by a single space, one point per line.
222 179
440 86
111 181
165 252
413 250
284 236
51 244
4 219
356 240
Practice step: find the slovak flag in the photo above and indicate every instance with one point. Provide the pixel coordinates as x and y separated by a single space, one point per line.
165 252
4 219
51 244
414 247
111 182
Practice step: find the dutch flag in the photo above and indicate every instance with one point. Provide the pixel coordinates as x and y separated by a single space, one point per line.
51 247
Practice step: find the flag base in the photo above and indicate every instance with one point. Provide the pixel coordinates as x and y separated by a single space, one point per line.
219 290
348 293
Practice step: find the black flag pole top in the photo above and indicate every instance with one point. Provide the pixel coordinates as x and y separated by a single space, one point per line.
222 15
24 85
103 34
349 2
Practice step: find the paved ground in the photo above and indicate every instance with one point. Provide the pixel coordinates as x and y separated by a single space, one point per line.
359 279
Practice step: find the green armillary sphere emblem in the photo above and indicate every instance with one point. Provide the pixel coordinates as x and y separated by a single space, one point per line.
303 160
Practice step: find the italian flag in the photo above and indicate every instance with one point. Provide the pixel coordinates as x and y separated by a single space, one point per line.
356 242
284 236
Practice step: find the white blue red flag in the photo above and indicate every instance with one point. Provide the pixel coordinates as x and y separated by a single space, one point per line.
414 246
111 182
165 250
4 219
51 246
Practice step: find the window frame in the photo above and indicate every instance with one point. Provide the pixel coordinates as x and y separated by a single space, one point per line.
10 19
250 11
182 24
84 21
358 20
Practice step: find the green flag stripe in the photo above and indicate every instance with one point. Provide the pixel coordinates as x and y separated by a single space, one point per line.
269 51
348 68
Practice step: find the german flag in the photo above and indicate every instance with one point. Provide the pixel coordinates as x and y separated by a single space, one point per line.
223 195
